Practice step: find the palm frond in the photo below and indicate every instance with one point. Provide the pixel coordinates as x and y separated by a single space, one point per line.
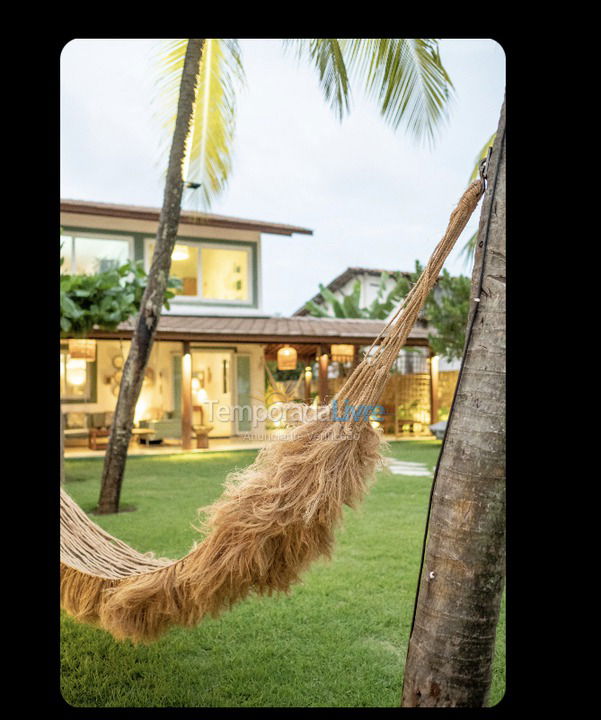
481 155
407 79
326 55
469 249
208 155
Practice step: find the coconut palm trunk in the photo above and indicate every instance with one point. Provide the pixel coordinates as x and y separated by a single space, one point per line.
153 298
451 648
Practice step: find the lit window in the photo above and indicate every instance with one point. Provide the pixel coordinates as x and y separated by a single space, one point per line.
76 377
94 255
91 255
184 266
225 274
210 273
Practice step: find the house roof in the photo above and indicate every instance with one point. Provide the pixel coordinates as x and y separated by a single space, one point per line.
266 330
138 212
341 280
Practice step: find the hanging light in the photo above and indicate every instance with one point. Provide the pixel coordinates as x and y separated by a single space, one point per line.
343 353
76 371
180 253
376 418
308 373
81 349
287 358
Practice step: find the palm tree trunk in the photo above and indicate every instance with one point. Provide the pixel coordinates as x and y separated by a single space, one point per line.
451 647
152 301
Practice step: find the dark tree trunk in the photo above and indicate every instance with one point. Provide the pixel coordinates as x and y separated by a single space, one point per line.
451 648
152 301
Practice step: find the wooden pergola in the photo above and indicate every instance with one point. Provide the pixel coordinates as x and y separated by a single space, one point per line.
310 337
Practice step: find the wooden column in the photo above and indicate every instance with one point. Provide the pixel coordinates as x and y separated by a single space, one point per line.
323 375
434 403
186 397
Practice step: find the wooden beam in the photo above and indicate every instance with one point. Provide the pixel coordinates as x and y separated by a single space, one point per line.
233 337
323 376
307 386
186 397
356 356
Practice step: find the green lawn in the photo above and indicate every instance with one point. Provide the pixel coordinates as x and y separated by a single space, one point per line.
337 640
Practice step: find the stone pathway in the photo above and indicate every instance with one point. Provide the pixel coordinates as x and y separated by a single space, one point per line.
414 469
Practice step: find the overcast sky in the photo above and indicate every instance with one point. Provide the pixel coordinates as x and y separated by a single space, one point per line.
373 197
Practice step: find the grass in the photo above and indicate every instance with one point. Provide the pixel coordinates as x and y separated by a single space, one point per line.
337 640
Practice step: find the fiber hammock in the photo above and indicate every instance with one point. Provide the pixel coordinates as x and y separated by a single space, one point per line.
274 518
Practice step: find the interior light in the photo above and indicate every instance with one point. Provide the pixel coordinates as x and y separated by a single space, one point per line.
76 371
180 253
202 396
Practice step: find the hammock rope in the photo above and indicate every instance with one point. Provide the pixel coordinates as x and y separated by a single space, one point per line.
274 517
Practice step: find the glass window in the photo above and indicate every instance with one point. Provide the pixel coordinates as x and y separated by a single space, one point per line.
94 255
225 274
66 253
210 273
90 255
76 377
184 265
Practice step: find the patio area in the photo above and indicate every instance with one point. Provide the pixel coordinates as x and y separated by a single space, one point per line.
216 445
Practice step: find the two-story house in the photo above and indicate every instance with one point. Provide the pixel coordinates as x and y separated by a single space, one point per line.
208 361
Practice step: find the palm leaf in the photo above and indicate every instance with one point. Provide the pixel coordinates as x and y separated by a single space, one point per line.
405 76
407 79
481 155
208 155
326 55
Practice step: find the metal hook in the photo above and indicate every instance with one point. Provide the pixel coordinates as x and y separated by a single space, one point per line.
483 169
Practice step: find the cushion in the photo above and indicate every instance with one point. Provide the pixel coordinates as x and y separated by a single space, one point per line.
76 420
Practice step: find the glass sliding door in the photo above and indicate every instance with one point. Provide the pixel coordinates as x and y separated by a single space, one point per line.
244 418
212 390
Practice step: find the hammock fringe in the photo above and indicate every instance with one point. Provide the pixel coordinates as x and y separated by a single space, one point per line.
274 518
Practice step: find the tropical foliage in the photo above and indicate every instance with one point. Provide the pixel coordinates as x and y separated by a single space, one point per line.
347 306
404 76
105 299
208 155
446 309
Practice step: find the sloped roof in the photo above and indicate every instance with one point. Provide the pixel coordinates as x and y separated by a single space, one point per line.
187 217
341 280
267 329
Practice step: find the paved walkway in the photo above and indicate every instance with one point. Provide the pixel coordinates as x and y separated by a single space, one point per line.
414 469
225 445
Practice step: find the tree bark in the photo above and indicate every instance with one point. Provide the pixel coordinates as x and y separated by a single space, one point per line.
451 648
153 298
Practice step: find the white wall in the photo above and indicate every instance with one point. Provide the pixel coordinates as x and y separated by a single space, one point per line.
159 394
